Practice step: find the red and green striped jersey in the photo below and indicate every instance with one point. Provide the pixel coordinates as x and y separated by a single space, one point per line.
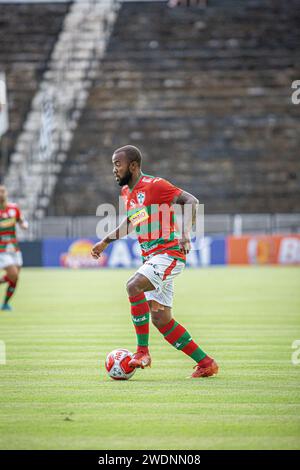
9 216
149 209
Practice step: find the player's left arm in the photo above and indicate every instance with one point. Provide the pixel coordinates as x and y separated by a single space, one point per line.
183 199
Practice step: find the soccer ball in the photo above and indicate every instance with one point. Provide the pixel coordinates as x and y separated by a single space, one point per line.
117 366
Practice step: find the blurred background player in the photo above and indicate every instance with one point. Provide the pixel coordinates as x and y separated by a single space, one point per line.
164 255
10 254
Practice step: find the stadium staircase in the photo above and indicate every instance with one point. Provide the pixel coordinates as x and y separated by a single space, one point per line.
206 94
28 32
56 107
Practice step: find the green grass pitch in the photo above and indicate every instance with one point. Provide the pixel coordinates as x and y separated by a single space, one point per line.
55 394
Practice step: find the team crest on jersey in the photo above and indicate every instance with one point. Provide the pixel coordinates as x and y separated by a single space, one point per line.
141 197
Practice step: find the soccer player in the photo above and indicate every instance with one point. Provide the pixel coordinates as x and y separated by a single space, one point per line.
10 254
150 289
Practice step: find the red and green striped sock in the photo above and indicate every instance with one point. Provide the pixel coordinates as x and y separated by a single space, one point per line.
10 290
140 313
178 337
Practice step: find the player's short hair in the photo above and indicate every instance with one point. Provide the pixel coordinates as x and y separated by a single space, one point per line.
132 153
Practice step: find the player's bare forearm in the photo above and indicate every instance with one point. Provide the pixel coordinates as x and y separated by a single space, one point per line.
183 199
121 231
23 224
189 218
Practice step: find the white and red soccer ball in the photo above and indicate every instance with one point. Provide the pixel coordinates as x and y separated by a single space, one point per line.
117 366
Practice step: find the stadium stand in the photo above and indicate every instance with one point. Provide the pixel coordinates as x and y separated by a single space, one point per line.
48 129
28 33
206 94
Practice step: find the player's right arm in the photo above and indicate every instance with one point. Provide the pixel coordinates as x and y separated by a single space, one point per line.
121 231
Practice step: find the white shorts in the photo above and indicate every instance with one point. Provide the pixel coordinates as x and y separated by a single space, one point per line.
161 271
11 259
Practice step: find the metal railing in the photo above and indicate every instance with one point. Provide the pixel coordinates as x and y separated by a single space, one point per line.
217 224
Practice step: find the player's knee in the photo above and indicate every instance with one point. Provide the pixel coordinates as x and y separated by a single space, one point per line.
13 277
133 288
158 320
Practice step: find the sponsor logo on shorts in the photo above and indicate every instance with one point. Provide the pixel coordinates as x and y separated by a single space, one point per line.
154 269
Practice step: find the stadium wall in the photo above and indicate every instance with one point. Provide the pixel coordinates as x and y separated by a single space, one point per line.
32 253
74 253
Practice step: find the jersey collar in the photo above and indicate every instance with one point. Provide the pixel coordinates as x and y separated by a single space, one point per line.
130 190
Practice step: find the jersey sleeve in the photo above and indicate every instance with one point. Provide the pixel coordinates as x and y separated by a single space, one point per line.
164 191
18 214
